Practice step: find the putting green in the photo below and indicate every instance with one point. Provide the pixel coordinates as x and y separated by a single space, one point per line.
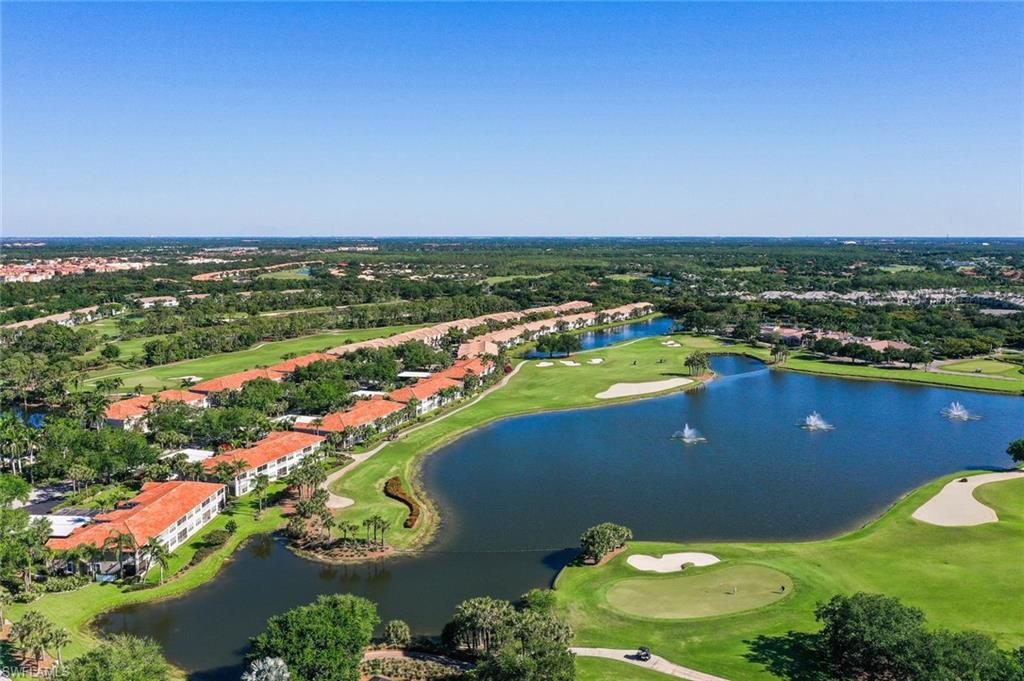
699 593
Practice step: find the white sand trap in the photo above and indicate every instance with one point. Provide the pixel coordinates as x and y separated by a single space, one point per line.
194 379
596 360
670 562
630 389
955 505
545 364
569 363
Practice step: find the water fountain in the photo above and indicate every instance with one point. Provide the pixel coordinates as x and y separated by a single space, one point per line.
688 435
958 412
815 422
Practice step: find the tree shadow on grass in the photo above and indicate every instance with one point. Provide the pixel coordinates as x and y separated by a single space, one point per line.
794 655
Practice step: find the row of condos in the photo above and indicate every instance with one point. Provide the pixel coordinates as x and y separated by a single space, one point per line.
167 512
131 412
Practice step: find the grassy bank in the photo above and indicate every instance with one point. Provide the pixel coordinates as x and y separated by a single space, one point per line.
806 362
533 389
963 578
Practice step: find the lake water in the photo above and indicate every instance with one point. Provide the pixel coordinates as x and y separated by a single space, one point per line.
514 496
617 334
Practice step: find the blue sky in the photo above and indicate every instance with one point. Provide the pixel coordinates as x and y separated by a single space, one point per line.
512 119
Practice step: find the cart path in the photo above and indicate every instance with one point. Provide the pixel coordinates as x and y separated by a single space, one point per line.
336 501
656 663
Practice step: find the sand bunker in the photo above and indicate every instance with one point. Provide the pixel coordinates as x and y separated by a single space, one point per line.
194 379
955 505
670 562
545 364
630 389
570 363
596 360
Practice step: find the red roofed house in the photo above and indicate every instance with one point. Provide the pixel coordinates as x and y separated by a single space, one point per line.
430 393
130 412
376 413
274 456
235 381
476 366
290 365
169 512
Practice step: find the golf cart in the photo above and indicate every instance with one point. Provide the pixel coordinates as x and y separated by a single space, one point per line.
643 654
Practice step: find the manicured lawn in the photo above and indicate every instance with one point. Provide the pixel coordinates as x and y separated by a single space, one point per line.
699 592
990 367
599 669
170 375
963 578
533 389
297 273
74 610
514 277
813 364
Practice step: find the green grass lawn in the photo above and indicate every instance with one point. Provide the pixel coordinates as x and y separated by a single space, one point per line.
297 273
169 375
533 389
633 276
513 277
810 363
75 609
988 367
698 592
963 578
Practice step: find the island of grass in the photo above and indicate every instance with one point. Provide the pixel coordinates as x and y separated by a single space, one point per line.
962 578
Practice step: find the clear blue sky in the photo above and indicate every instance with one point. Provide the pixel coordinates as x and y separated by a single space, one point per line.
512 119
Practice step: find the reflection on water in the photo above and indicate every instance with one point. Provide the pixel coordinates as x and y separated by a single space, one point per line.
617 334
515 496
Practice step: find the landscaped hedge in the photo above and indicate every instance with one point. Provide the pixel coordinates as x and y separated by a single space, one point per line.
406 669
393 488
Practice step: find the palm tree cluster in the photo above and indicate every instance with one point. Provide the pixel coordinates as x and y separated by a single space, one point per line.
697 362
34 633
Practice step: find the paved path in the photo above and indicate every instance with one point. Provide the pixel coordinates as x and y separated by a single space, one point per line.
955 506
336 501
658 664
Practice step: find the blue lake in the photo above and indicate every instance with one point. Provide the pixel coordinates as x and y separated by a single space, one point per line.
514 496
617 334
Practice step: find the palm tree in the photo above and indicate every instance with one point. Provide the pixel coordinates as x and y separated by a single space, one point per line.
155 552
262 483
120 543
5 600
31 634
384 525
779 353
58 638
367 525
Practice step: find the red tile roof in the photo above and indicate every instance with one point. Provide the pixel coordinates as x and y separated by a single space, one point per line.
291 365
235 381
158 506
424 389
139 405
361 413
272 447
462 367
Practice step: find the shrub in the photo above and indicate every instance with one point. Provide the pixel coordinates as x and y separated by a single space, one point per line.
217 537
405 669
61 584
231 526
397 634
393 488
